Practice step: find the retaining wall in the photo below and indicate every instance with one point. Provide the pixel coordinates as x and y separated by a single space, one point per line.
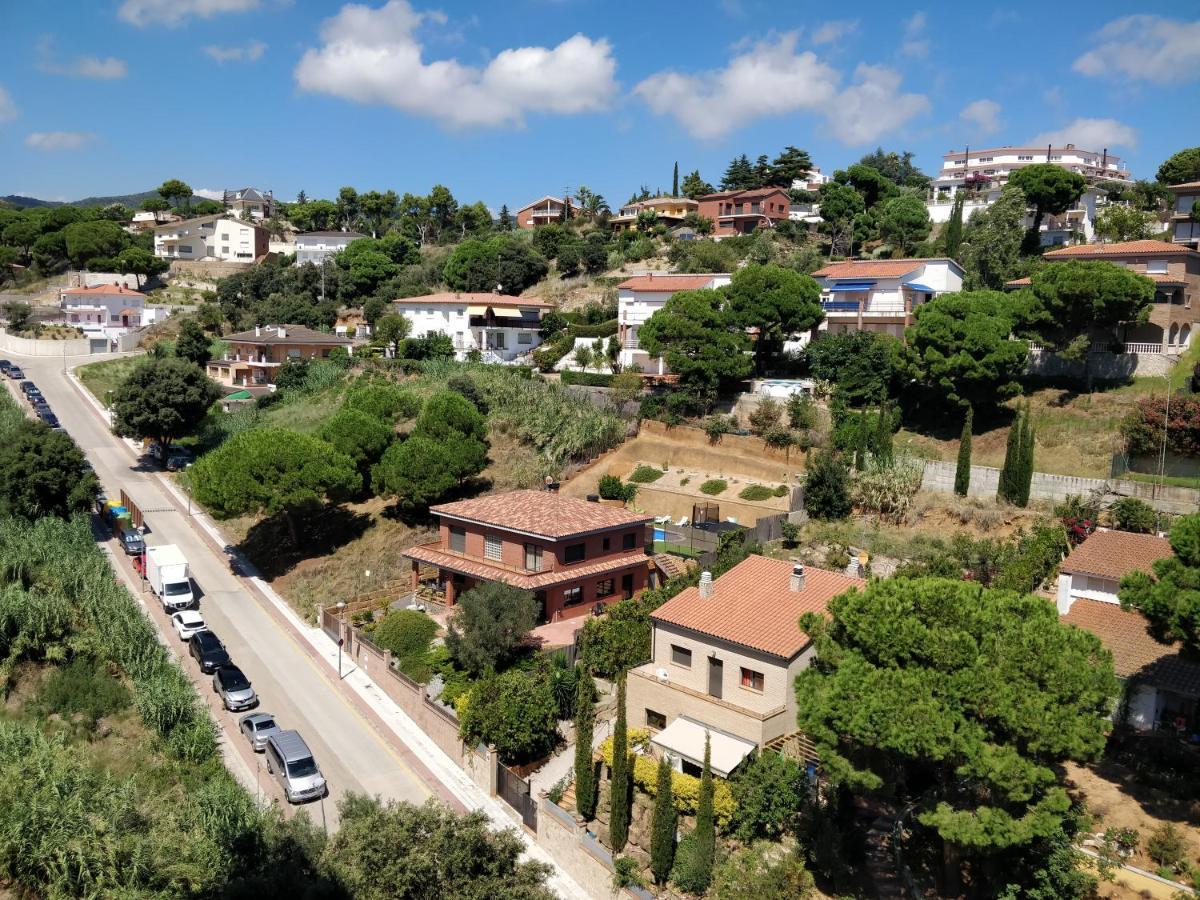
31 347
1101 366
582 856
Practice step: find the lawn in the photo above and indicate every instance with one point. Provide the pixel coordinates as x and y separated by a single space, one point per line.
102 377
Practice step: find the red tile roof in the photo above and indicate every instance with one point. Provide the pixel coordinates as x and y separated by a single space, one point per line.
474 299
114 289
666 283
1114 554
292 334
1019 282
753 605
436 555
541 513
1187 185
1156 277
870 268
1124 248
1134 649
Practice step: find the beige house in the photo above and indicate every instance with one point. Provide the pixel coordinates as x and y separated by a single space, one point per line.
254 357
724 660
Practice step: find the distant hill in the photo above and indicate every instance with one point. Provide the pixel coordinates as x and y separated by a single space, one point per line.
131 200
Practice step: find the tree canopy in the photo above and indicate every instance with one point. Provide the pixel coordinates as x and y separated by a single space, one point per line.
778 302
1050 188
904 223
193 344
488 624
992 242
1067 299
163 399
42 472
1181 168
1171 598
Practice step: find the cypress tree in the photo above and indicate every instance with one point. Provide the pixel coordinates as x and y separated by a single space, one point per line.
505 223
1007 488
1025 473
662 836
620 795
585 765
962 472
862 440
706 826
675 181
954 228
883 434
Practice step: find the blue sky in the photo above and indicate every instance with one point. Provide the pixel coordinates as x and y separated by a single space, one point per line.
505 102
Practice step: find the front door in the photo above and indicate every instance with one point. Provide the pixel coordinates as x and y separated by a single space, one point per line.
716 675
540 599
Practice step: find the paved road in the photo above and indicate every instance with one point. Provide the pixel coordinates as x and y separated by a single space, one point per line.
292 685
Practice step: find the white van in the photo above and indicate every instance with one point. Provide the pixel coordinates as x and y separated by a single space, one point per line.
292 764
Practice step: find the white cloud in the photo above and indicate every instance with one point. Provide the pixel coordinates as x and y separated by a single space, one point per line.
107 69
59 140
832 32
252 52
1146 47
769 79
175 12
983 114
866 111
916 45
8 109
373 56
209 193
1089 134
915 24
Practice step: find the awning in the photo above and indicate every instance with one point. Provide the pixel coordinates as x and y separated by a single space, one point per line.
476 310
915 286
509 313
684 738
852 286
240 395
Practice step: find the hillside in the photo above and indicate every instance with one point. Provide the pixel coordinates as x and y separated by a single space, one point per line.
131 200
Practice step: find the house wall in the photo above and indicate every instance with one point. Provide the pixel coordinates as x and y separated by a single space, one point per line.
318 250
633 309
453 321
1076 586
774 206
279 352
228 240
525 217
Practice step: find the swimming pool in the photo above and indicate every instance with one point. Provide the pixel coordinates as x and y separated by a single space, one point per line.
783 387
661 534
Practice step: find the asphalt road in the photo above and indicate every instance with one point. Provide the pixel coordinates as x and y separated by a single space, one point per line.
293 686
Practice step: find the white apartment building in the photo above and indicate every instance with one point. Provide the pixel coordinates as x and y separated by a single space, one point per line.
215 237
640 297
503 329
103 310
881 294
250 202
317 246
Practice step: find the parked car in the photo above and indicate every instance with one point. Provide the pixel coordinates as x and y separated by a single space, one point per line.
187 623
15 373
179 458
258 728
206 648
49 418
5 365
293 765
234 688
30 390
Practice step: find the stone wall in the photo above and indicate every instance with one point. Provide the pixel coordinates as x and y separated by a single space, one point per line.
1100 366
197 270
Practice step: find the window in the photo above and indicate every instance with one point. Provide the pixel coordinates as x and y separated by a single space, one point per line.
751 679
1157 267
984 159
524 338
492 547
574 553
224 236
629 541
572 596
1024 159
533 557
606 587
1057 157
681 656
458 539
627 585
605 544
655 720
294 353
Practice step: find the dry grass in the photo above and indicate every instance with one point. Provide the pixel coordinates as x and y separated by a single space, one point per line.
102 377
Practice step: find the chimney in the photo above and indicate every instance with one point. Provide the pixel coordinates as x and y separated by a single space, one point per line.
707 588
796 582
258 331
282 333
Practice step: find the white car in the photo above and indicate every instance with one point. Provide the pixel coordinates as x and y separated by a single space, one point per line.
187 623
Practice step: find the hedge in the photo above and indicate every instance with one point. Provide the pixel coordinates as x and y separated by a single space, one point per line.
714 486
601 330
645 474
588 379
756 492
685 788
549 353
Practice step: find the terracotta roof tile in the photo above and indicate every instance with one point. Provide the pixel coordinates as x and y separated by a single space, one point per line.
753 605
114 289
541 513
1187 185
1156 277
666 283
292 334
1124 248
672 566
436 555
869 268
1114 554
1134 650
1019 282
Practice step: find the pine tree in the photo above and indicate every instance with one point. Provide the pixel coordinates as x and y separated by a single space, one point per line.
962 472
301 198
954 228
883 434
706 826
620 795
1024 478
585 766
675 181
1007 488
662 833
739 175
505 218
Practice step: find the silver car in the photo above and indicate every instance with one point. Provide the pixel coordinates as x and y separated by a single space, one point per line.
257 728
234 688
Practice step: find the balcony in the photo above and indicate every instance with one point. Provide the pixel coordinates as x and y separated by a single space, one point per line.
842 309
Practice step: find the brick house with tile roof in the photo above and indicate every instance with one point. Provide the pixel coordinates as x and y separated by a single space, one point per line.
1162 686
254 357
571 554
1185 217
743 212
725 655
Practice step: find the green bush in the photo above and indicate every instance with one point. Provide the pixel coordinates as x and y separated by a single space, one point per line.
599 330
646 474
383 401
611 488
549 353
781 490
754 492
714 486
827 488
689 872
1167 846
83 693
1132 514
516 713
407 633
587 379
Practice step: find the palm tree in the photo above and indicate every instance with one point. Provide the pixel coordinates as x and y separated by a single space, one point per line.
591 205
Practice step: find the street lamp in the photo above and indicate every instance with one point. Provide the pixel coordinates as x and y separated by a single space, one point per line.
341 608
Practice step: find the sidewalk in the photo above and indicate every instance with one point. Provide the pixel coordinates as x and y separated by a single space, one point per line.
417 750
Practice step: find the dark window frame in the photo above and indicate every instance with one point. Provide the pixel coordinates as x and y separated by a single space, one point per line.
678 653
574 553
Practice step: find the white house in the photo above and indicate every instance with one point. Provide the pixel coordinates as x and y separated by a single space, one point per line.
1094 569
215 237
880 294
107 310
317 246
640 297
503 329
250 202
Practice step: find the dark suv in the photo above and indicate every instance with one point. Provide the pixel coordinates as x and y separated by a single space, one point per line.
207 649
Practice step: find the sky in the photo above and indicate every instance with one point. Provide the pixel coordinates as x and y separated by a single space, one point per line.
507 102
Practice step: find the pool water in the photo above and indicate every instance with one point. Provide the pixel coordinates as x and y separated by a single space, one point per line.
660 534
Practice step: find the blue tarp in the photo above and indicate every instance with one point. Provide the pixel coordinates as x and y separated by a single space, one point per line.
912 285
852 286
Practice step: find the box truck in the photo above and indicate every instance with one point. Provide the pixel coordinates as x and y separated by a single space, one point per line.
167 572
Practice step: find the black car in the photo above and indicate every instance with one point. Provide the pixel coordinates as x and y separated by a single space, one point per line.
207 649
31 390
49 418
5 365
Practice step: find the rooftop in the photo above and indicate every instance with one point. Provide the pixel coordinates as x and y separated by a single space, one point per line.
473 299
291 334
876 268
1123 248
116 290
671 283
435 555
753 605
1186 186
540 513
745 195
1156 277
1134 649
1114 554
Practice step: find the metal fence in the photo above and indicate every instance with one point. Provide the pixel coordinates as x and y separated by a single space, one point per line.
514 790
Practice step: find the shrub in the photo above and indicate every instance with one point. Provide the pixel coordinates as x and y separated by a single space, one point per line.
598 330
714 486
611 488
515 712
646 474
764 869
791 533
717 425
1166 846
827 488
383 401
1143 428
689 873
888 491
587 379
684 788
1132 514
781 490
627 872
755 492
488 626
82 693
407 633
770 791
802 411
766 415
